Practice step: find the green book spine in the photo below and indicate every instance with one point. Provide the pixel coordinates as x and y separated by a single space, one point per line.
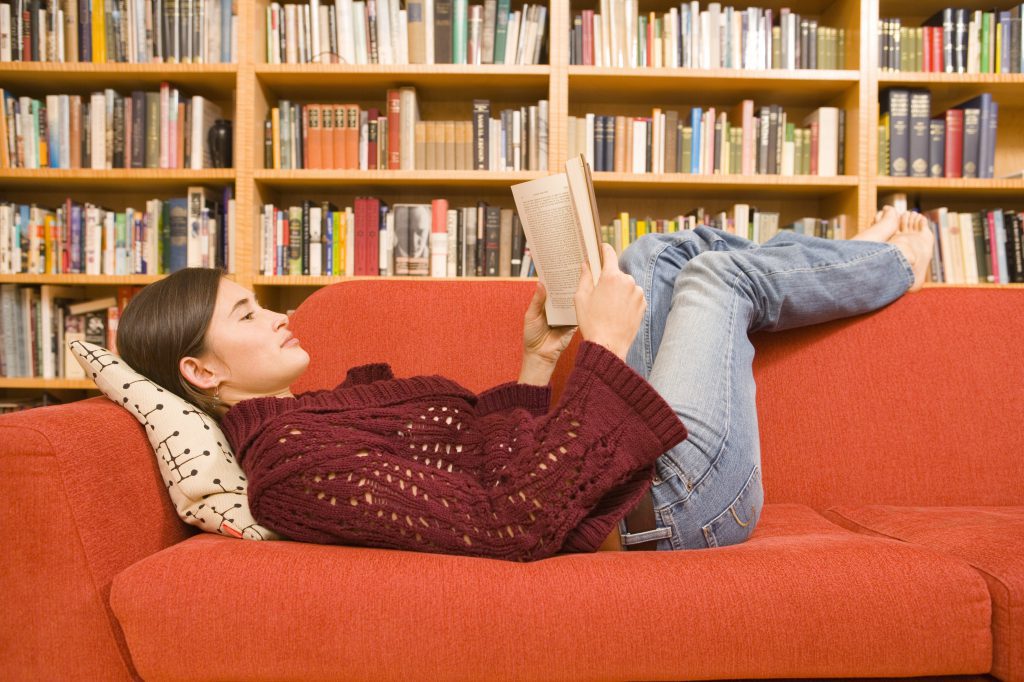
986 39
460 10
501 31
687 148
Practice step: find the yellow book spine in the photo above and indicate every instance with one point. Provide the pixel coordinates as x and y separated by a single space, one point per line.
624 229
339 243
641 228
996 68
99 32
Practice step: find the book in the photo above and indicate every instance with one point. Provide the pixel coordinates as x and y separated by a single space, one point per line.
560 219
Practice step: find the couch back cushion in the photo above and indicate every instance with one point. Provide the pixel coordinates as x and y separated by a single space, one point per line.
920 403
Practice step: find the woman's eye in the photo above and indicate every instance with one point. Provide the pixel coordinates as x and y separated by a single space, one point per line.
248 316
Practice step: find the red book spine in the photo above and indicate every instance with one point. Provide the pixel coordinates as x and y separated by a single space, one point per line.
588 37
937 63
373 236
954 142
394 157
926 49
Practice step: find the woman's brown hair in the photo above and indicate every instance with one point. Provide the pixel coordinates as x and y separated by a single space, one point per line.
166 322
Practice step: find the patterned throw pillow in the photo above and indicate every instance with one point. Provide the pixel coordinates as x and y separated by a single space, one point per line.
205 482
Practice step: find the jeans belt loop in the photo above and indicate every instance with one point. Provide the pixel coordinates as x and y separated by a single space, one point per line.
639 522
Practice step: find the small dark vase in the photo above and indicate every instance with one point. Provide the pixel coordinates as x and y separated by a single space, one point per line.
219 140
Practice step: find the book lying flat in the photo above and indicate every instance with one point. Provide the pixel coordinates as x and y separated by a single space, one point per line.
560 219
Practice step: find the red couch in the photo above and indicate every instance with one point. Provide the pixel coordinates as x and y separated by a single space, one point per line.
892 543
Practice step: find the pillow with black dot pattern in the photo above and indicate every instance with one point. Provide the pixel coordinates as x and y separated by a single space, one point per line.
198 467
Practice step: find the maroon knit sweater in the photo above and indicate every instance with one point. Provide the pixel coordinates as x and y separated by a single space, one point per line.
424 464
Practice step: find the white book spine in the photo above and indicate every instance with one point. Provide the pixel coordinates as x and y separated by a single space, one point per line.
5 33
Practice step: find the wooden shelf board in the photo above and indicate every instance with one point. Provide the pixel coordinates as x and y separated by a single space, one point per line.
644 183
73 278
40 383
949 89
959 188
134 179
443 80
333 178
666 86
41 78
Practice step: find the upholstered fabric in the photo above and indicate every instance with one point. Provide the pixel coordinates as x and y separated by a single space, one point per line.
80 500
991 539
802 597
199 468
906 405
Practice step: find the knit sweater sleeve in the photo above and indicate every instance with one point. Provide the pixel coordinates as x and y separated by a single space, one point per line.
418 473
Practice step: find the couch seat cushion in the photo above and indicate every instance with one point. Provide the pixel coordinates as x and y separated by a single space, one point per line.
991 539
801 598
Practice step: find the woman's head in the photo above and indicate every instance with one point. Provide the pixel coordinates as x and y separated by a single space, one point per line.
206 339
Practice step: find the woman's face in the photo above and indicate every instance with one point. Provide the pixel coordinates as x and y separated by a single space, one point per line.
250 350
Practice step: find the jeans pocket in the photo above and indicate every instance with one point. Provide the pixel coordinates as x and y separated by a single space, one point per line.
737 521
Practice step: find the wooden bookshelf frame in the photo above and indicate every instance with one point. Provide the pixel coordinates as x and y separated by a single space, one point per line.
251 83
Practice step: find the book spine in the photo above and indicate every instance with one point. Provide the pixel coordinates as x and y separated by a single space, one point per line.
936 147
920 116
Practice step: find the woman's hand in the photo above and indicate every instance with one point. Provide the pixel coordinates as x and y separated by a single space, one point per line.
609 313
542 344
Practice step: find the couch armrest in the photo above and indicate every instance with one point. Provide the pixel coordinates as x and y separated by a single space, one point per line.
82 499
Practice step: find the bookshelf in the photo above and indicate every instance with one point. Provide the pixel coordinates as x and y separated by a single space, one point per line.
251 87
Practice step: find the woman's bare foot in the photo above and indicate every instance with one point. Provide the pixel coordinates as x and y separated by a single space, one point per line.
885 225
915 239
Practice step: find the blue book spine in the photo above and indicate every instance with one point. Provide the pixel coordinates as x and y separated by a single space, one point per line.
225 31
76 238
1001 246
329 247
695 115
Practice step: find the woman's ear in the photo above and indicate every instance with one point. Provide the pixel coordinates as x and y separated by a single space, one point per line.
197 373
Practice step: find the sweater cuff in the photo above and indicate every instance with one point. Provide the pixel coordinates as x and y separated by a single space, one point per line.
634 391
513 395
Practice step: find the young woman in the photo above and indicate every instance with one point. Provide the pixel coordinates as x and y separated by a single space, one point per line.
653 445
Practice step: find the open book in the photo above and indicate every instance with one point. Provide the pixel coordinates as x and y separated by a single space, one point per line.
559 216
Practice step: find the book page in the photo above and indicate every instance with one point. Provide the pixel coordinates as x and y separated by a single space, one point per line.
553 235
581 189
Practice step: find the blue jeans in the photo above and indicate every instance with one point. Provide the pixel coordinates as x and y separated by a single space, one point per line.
706 289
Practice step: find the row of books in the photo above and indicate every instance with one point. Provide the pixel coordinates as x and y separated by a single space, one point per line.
10 404
197 230
106 129
716 37
706 142
346 136
959 143
977 246
133 31
744 220
318 238
954 40
382 32
37 323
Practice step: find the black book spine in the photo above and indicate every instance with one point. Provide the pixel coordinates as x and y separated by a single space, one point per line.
937 147
599 143
1014 224
118 151
972 140
443 32
960 40
896 102
481 134
920 118
982 245
481 239
841 143
492 240
306 204
138 159
518 243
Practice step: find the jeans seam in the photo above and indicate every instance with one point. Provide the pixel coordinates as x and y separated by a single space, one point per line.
887 248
